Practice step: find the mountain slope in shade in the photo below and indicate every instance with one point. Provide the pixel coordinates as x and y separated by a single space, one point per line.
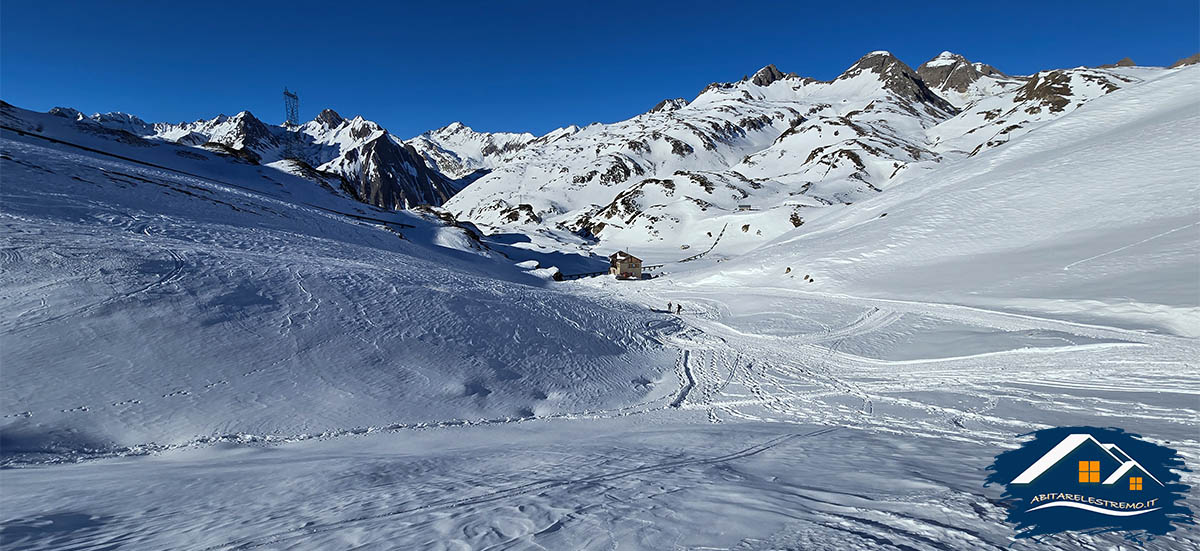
391 174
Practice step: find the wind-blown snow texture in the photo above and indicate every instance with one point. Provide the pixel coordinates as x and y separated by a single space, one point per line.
214 354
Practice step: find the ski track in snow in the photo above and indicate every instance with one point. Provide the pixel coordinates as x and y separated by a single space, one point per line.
1131 245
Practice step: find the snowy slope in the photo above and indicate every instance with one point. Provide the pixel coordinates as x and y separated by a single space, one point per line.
238 366
603 181
857 411
1091 217
993 120
764 155
457 151
144 308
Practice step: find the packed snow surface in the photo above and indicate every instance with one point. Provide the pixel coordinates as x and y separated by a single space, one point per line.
189 364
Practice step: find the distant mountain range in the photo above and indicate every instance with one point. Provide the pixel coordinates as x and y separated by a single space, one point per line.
763 154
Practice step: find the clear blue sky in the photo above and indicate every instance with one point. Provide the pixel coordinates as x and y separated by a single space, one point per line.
519 66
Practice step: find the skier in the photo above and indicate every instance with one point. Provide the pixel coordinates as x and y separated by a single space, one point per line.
678 308
668 307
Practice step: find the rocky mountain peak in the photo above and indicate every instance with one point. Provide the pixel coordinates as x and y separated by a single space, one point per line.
1124 62
245 132
245 116
951 72
669 105
880 62
946 57
360 128
66 112
391 175
330 118
898 78
118 117
1189 60
769 74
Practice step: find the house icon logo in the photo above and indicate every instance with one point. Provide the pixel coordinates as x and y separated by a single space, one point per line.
1088 478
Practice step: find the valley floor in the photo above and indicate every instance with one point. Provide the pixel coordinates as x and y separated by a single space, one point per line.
793 420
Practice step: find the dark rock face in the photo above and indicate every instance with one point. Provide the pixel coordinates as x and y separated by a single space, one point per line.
523 213
245 155
191 138
1051 89
364 129
393 176
669 105
769 74
898 78
66 112
251 132
1189 60
330 118
508 147
1125 62
953 72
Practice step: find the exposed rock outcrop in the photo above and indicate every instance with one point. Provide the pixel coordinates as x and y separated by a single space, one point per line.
1124 62
1189 60
950 71
330 118
898 78
390 175
668 105
769 74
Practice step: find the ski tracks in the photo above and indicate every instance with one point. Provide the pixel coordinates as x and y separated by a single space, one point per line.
539 486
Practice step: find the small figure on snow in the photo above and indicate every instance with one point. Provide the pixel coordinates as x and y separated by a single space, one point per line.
678 308
669 307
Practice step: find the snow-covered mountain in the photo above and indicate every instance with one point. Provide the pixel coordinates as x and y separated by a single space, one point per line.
758 156
365 160
204 346
458 151
993 120
214 257
1093 216
962 82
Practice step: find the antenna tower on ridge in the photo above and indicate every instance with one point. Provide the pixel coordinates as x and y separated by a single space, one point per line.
291 105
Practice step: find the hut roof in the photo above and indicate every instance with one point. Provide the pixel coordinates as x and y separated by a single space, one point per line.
622 256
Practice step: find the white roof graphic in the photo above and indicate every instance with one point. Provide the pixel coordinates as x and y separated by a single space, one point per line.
1125 467
1068 445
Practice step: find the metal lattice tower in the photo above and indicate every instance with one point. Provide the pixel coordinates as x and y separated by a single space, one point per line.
291 104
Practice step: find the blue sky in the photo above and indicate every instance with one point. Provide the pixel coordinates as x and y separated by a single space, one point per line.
519 66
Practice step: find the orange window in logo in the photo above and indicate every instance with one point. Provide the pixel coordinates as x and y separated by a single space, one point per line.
1135 483
1089 471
